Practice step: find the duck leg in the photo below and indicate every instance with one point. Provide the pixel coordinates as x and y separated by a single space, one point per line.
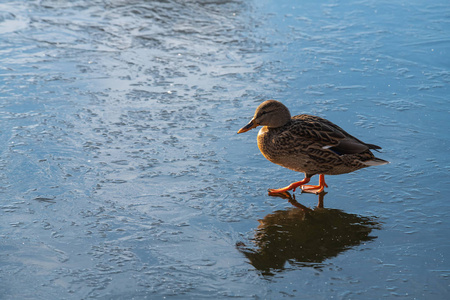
315 189
292 186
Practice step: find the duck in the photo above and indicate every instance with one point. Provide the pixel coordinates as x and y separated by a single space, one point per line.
308 144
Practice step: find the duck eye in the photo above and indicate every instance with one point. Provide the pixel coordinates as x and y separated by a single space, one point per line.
266 112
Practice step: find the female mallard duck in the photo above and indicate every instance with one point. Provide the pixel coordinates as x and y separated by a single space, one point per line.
308 144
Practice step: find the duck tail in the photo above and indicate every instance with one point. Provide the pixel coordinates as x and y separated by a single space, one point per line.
375 162
373 147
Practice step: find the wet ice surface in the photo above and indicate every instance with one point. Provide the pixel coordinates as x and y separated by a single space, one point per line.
122 175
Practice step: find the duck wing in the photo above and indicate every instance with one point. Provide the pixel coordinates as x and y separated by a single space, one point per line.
329 135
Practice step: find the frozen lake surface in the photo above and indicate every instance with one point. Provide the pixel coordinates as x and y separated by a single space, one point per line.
122 176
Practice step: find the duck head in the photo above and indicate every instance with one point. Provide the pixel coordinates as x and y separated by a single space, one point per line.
270 113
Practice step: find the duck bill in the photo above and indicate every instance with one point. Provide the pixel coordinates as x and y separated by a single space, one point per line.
252 124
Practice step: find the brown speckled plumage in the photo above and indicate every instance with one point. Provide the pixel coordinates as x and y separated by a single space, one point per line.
308 144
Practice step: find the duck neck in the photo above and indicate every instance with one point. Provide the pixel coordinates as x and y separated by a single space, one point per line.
281 123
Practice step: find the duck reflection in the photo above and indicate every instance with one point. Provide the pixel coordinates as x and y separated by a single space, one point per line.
305 237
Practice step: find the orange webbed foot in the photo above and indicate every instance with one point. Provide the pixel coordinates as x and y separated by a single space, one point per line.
315 189
293 186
